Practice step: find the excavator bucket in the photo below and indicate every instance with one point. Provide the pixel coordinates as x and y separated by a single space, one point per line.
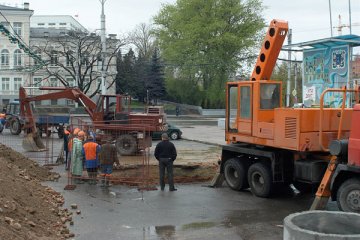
32 143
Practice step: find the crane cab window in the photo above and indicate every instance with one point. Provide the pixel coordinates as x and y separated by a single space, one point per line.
269 96
232 108
245 102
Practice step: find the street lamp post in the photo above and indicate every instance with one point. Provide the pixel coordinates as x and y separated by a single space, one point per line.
103 44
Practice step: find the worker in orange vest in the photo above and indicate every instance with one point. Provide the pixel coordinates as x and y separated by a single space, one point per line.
2 121
91 152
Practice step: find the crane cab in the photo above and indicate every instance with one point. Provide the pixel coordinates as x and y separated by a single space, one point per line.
250 110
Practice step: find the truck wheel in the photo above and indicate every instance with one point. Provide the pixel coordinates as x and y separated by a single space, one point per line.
235 174
126 145
260 180
348 196
15 127
174 135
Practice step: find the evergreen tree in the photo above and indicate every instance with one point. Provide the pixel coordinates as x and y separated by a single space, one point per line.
126 74
156 80
141 73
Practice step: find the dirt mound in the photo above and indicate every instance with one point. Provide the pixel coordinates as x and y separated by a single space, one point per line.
29 210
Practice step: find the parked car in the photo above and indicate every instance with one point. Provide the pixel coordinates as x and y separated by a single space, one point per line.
173 131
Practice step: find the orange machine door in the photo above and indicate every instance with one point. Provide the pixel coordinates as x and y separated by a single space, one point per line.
245 110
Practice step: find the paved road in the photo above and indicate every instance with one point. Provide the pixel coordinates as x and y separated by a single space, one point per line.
193 212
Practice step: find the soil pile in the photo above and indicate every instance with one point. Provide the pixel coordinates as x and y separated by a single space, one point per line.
29 210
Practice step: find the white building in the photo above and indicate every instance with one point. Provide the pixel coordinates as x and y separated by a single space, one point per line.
17 68
12 58
57 22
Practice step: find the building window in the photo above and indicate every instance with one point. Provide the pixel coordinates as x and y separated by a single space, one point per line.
53 82
17 58
18 28
5 84
36 61
37 83
17 83
62 23
6 25
86 82
70 81
54 58
51 24
5 57
41 24
69 58
54 102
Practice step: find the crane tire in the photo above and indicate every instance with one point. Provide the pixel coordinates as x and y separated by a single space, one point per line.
260 179
348 196
126 145
235 174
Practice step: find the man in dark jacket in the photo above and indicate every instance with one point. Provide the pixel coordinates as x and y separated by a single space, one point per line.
165 153
108 157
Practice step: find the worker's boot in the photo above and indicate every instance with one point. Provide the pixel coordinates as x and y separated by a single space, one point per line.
102 181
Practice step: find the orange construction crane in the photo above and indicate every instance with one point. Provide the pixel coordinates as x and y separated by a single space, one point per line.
269 146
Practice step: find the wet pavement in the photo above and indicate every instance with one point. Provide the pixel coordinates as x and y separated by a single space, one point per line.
192 212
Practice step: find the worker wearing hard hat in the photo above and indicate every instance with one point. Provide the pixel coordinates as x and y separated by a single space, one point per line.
76 156
2 121
91 152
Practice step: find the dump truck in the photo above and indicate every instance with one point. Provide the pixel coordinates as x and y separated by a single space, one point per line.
270 146
47 119
110 115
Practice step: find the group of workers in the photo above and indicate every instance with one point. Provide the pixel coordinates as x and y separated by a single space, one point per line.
83 152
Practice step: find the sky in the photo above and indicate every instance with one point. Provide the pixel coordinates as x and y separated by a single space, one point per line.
308 19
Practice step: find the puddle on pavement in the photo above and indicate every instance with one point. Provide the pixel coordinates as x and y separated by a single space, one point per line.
171 231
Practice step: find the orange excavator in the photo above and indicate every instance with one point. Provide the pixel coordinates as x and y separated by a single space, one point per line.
110 115
269 146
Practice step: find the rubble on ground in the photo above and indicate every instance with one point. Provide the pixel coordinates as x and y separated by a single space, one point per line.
29 210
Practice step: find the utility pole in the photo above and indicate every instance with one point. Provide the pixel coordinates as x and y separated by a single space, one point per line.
295 83
288 84
331 27
103 51
350 16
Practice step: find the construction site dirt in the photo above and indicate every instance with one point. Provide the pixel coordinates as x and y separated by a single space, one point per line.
127 211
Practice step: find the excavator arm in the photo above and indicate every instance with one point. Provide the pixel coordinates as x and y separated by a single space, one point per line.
32 142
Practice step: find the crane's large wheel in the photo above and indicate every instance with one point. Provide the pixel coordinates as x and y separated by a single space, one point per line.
235 174
260 180
15 126
126 145
348 196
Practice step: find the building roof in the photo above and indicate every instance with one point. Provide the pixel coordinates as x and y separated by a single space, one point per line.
351 40
3 7
47 32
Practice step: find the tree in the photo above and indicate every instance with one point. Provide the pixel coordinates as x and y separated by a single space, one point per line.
143 39
76 56
202 43
125 80
156 81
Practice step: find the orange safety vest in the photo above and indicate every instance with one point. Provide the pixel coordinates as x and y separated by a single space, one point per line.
70 144
90 150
